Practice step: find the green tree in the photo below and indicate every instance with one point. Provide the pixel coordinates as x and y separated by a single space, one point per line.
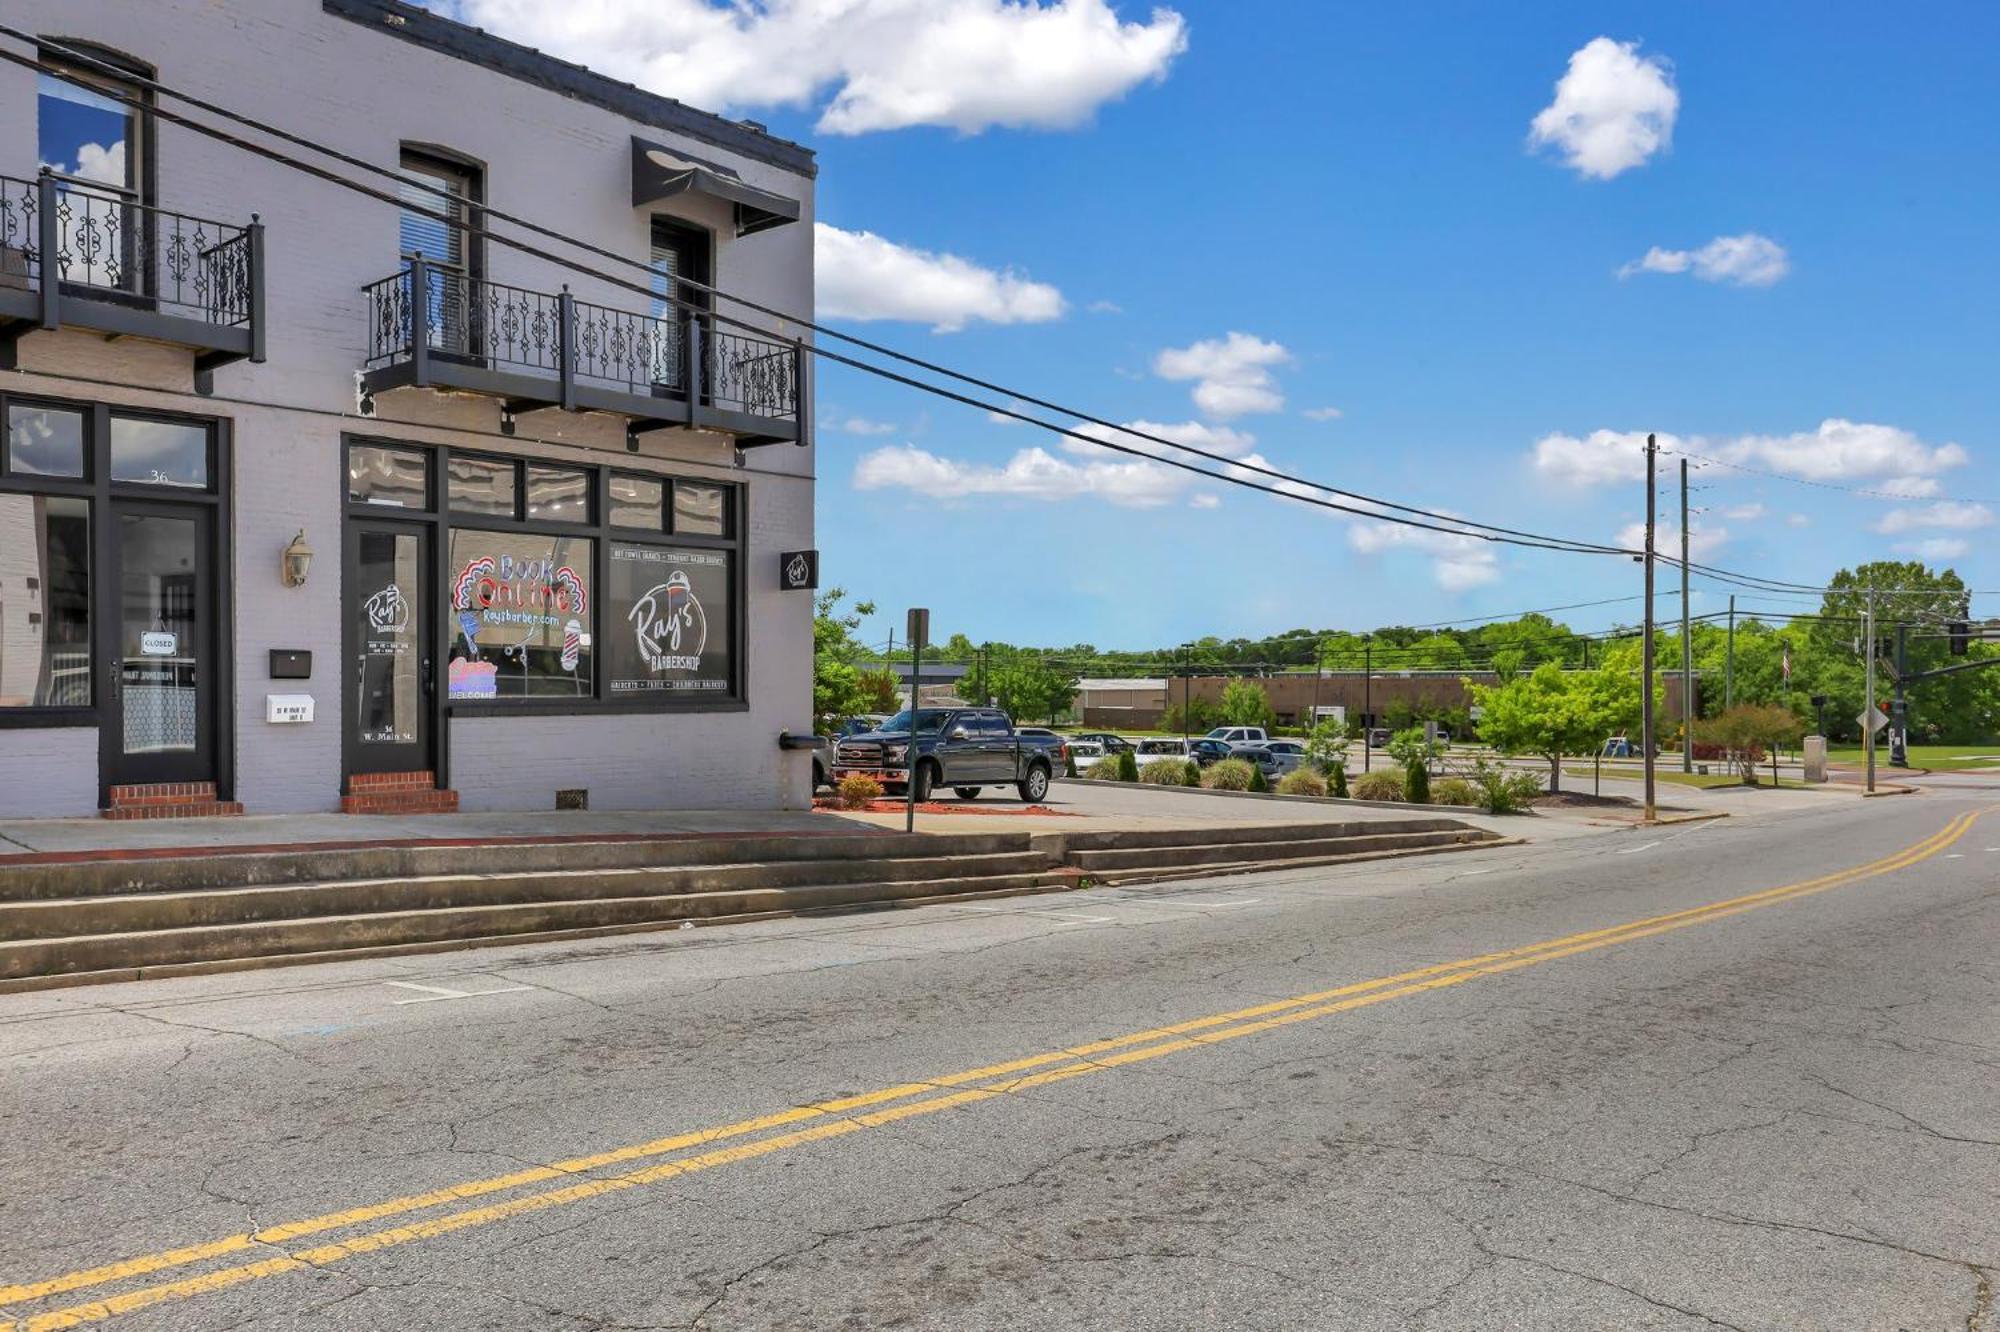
1246 704
1748 731
1416 752
1551 712
1028 687
1326 745
837 688
876 691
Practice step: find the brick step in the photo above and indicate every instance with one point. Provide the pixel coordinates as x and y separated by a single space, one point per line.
405 800
182 809
369 783
161 793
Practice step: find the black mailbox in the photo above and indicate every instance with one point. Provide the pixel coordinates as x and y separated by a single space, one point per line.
291 664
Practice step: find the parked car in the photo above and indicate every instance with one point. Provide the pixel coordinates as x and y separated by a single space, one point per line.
1105 740
861 725
1238 735
1158 747
1206 751
966 749
1084 753
1275 757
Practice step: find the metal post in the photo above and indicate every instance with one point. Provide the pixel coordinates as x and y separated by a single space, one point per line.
1319 663
910 751
693 369
1729 662
1646 652
49 224
1899 707
255 242
1868 707
1187 685
1687 640
420 320
566 348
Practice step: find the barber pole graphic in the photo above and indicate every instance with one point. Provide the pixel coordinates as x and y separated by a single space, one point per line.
468 579
468 623
572 644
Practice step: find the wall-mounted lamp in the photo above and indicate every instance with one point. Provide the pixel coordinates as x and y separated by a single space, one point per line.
297 560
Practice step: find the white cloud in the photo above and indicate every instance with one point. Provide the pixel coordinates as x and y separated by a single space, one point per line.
1797 520
1322 413
1218 439
1702 541
860 275
967 65
1936 548
1613 109
1105 307
861 425
1744 513
1838 451
1955 514
1232 374
1912 487
1748 260
1205 501
1458 562
1033 474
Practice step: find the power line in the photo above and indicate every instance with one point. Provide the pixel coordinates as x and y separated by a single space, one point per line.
1446 524
1820 485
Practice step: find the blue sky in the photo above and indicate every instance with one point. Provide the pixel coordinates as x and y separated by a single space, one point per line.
1355 185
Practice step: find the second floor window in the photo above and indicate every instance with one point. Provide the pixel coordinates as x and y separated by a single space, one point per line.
438 199
94 144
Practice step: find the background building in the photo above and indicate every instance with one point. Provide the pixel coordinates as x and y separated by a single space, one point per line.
545 499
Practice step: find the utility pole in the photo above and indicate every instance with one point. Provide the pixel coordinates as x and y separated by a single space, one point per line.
1868 709
1729 662
1367 698
1319 661
1646 653
1687 641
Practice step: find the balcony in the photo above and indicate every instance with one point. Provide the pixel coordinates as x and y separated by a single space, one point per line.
127 269
435 328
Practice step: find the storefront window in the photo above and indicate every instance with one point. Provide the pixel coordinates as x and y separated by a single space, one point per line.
44 441
393 478
479 486
558 495
159 453
519 609
668 623
699 510
44 601
638 502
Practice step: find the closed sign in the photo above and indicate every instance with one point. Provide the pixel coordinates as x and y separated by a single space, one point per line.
158 644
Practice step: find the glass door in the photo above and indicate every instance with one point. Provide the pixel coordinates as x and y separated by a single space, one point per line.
389 636
162 684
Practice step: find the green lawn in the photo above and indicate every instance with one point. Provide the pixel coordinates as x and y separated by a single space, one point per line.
1945 758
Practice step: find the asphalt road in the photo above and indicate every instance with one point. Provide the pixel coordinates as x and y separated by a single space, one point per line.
1292 1100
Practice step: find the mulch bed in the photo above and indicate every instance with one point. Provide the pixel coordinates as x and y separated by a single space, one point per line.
1578 800
827 805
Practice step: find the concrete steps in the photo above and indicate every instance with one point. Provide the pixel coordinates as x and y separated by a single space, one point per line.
76 919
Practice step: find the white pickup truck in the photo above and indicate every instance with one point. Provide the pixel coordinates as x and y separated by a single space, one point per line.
1239 735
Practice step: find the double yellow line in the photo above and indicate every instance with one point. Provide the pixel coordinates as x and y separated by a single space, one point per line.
837 1118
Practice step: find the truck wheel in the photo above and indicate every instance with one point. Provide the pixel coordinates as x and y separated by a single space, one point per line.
966 792
1035 787
925 774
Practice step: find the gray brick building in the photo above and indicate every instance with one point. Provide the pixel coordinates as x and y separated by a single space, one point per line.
545 498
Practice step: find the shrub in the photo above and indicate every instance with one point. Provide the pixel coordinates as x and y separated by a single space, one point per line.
857 790
1417 784
1165 772
1338 786
1128 766
1502 791
1104 770
1381 784
1190 773
1454 791
1229 775
1302 781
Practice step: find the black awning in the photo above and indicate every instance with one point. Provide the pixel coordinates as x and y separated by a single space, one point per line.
660 172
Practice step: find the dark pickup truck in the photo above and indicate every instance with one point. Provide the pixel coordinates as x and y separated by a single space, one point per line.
966 749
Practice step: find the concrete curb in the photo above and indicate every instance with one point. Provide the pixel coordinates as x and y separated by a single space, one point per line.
1342 801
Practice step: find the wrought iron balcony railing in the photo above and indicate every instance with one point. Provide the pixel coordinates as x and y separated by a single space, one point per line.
429 325
126 267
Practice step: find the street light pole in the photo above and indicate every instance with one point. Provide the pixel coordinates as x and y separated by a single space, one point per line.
1868 709
1729 662
1687 642
1646 653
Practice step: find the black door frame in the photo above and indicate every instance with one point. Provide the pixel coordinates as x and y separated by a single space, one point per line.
203 764
430 746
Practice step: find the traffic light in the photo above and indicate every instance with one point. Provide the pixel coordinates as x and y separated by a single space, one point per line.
1961 637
